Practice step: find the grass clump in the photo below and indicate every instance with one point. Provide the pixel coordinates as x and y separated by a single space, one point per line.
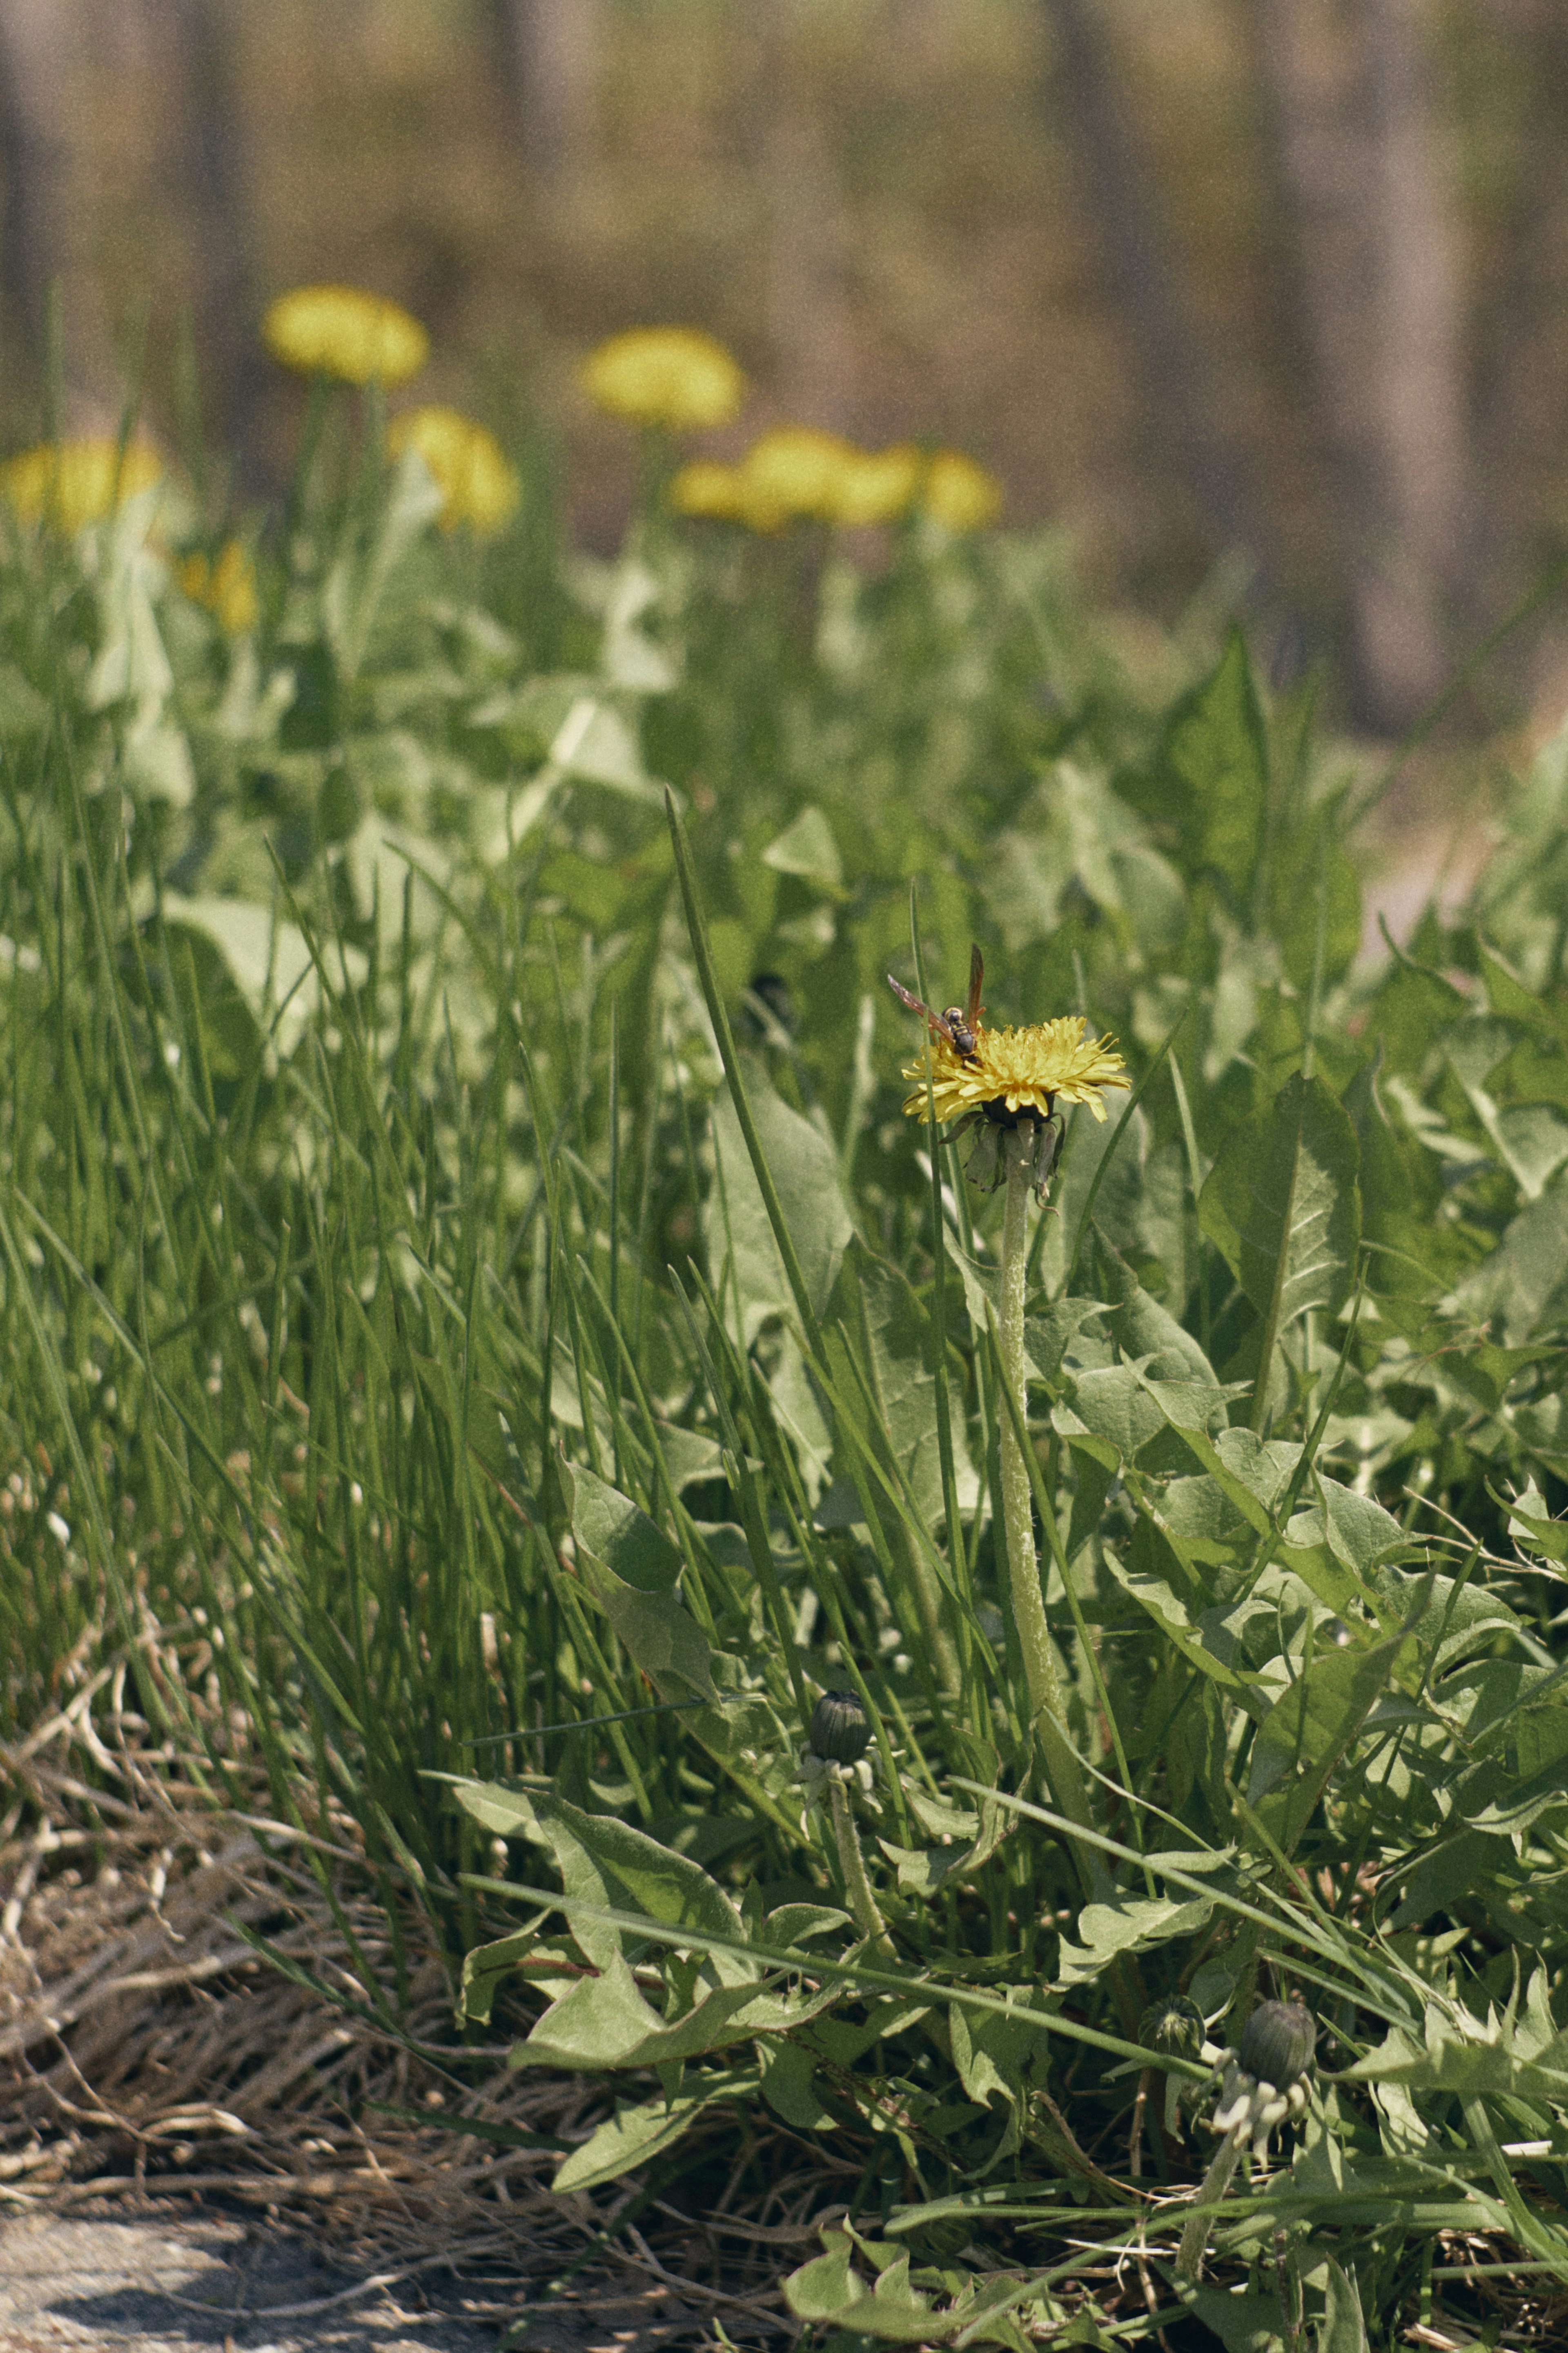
487 1352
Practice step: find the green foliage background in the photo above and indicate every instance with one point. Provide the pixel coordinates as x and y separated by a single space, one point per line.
411 1379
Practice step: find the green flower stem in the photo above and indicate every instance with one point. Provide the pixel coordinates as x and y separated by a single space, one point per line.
1216 2182
1061 1767
862 1903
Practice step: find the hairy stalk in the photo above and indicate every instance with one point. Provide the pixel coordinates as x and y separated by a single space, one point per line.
1061 1770
862 1903
1216 2182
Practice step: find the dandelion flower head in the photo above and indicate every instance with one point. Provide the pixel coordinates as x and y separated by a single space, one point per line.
225 584
477 484
959 492
717 492
794 472
1023 1069
797 469
69 484
341 330
676 376
874 486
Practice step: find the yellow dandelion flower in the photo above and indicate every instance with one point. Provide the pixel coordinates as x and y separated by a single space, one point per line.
479 486
958 491
1012 1071
873 486
797 469
706 488
69 484
676 376
225 584
340 330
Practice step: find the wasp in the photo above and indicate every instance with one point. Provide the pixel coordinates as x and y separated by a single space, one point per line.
958 1023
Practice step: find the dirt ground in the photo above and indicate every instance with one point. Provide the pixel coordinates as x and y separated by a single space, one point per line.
172 2278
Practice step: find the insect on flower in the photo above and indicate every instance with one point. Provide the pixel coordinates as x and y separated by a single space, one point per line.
1003 1081
960 1024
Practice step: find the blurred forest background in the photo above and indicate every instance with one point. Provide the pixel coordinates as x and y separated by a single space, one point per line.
1276 286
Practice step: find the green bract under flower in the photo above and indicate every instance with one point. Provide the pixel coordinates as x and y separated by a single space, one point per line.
1023 1069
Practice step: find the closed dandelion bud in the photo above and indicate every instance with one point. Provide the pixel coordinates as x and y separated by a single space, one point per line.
1277 2043
839 1732
1175 2025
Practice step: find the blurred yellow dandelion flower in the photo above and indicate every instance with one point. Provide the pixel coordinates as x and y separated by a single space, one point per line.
1016 1070
715 491
960 492
676 376
477 483
225 584
69 484
873 486
342 332
797 470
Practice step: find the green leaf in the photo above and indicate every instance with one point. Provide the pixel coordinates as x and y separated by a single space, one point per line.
634 2135
609 1527
1216 753
1498 2056
1130 1924
270 959
354 590
1512 1001
1114 1402
1243 2321
484 1967
1343 2330
1155 1597
1281 1203
600 2022
923 1872
1048 1337
1308 858
1146 1332
896 1349
991 2053
604 2023
1524 1284
1310 1727
829 2289
663 1639
1533 1530
789 2086
748 1273
603 1860
1400 1191
807 847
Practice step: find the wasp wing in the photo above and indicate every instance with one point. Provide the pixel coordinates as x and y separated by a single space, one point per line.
938 1028
976 975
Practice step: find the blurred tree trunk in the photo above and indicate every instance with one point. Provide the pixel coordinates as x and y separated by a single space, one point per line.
1516 333
37 42
1376 249
808 312
1185 411
550 59
199 38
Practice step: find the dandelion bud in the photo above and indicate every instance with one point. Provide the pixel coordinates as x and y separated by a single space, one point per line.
1175 2025
839 1732
1278 2043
